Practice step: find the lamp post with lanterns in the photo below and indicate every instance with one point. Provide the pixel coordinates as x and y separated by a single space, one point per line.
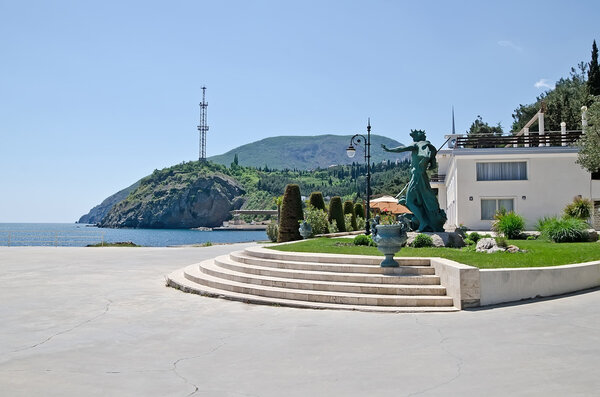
351 152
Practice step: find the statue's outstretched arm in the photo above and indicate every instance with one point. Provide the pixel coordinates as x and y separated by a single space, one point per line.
398 149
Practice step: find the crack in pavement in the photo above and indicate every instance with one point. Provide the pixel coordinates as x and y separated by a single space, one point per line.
459 360
187 381
106 309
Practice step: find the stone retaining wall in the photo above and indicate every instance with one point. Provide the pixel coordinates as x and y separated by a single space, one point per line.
472 287
510 285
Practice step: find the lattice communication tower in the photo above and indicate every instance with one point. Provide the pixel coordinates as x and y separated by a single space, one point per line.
203 127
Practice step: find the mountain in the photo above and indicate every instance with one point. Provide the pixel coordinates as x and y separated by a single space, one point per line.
202 194
98 212
306 152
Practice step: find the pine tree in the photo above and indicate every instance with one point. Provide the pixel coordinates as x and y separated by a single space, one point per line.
594 72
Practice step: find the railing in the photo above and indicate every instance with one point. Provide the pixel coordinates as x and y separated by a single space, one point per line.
49 238
437 178
531 139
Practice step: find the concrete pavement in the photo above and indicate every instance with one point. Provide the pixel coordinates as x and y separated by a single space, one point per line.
100 322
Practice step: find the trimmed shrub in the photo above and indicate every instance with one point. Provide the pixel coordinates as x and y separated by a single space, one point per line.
468 241
361 239
317 220
272 231
422 240
316 201
359 210
349 209
336 213
580 208
508 224
564 230
291 214
474 237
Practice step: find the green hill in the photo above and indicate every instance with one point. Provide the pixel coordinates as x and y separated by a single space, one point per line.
305 152
198 194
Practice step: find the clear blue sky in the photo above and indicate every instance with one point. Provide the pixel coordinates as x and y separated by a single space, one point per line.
97 94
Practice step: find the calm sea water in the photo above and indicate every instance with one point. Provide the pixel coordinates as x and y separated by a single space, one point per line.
79 235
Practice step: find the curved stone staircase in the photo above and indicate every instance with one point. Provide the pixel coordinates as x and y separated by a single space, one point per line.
318 281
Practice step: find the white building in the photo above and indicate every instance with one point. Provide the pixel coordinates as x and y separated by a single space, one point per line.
533 181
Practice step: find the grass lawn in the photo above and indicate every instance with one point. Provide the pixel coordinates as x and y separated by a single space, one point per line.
539 252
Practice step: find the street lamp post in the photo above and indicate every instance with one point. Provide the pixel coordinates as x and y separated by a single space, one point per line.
351 151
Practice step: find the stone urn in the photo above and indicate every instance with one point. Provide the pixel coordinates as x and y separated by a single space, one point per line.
305 230
390 239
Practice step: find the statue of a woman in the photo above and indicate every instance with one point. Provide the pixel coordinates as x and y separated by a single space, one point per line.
420 198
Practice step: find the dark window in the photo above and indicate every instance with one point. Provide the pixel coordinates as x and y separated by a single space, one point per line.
596 175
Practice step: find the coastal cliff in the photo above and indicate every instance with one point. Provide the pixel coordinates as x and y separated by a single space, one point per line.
173 199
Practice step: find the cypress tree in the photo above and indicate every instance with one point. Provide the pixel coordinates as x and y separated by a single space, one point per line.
316 200
291 214
359 210
594 72
349 209
336 213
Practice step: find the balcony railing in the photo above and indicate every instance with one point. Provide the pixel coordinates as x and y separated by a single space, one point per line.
533 139
437 178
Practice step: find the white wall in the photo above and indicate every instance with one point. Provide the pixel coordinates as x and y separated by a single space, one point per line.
553 179
511 285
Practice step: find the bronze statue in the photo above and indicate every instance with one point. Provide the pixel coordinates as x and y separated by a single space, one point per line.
420 198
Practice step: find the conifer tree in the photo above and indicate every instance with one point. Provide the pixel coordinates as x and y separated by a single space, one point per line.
316 200
594 72
349 209
336 213
291 214
359 210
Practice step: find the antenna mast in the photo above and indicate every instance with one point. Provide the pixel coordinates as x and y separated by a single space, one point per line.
203 127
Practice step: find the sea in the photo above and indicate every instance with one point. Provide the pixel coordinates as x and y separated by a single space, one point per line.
81 235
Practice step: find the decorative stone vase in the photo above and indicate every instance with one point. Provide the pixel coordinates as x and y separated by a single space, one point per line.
390 239
305 230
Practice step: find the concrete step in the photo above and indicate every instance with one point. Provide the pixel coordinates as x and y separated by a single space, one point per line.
178 280
244 267
305 263
266 253
194 274
215 268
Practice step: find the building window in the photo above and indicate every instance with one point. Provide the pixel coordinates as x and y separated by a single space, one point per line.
502 171
596 175
489 207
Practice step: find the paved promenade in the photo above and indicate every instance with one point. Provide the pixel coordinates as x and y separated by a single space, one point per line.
100 322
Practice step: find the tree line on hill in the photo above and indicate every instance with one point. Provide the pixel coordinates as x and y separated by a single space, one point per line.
562 103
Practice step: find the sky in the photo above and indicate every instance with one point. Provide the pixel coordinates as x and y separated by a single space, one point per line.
95 95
